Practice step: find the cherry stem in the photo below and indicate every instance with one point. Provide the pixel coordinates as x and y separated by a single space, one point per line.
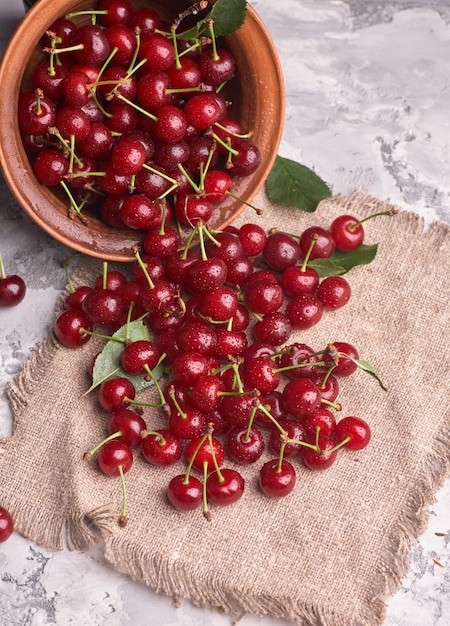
390 213
88 455
206 513
177 405
246 437
120 96
154 380
339 445
143 267
214 458
334 405
251 206
210 25
286 368
161 440
123 514
314 238
83 331
194 186
66 271
225 144
280 457
74 208
229 132
268 414
192 459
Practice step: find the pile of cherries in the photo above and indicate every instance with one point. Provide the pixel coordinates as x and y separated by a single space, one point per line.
220 312
129 118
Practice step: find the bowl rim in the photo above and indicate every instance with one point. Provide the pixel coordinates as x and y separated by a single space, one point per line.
12 151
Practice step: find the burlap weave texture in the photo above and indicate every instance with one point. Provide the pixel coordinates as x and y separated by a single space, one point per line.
330 552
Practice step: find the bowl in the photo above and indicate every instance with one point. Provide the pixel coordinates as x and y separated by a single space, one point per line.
257 101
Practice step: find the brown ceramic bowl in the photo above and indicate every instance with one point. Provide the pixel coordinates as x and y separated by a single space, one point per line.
257 95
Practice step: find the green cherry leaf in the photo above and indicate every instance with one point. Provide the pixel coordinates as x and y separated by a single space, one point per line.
228 16
295 185
363 255
341 262
107 364
326 267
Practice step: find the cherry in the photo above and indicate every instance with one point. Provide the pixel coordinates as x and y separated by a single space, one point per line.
322 418
90 45
184 75
115 458
98 143
161 242
260 373
347 233
152 90
253 239
217 184
274 328
161 447
75 299
217 66
353 433
323 458
245 445
36 113
185 492
230 343
276 479
192 209
102 306
50 167
129 425
263 296
334 292
280 251
224 487
68 326
304 311
157 50
347 355
115 393
300 397
248 158
202 111
72 121
62 29
240 272
297 280
189 367
324 244
226 246
6 524
237 409
12 288
205 450
114 12
51 79
298 360
205 392
139 356
204 275
219 305
293 429
121 38
128 156
113 280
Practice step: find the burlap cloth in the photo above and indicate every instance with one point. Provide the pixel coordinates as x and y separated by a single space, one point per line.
330 552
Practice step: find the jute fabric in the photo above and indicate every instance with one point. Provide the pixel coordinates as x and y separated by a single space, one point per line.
329 553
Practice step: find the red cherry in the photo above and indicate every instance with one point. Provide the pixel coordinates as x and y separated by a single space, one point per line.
353 432
225 488
276 479
6 524
185 493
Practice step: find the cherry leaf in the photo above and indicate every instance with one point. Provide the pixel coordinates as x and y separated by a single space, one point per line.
107 364
326 267
341 262
363 255
295 185
228 16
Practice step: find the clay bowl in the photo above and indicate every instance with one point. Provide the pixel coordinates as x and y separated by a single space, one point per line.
256 93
